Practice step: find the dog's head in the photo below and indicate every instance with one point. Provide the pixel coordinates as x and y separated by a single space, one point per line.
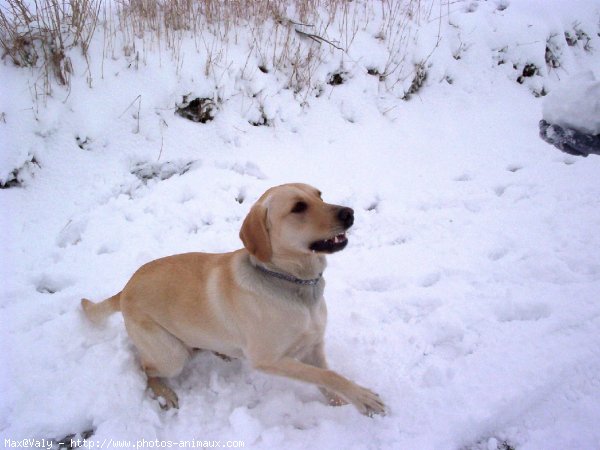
293 219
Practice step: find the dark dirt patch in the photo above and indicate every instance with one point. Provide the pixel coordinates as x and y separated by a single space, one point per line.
17 177
200 110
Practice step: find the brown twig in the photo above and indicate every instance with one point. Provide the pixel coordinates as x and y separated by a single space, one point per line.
316 38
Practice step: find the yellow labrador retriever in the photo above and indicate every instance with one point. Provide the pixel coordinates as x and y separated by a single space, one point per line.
263 302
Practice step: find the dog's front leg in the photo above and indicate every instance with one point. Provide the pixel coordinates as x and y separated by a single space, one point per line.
316 358
366 401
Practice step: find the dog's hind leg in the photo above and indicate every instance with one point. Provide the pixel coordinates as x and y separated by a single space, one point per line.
162 355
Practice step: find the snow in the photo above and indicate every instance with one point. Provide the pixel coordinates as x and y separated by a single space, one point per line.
576 104
467 296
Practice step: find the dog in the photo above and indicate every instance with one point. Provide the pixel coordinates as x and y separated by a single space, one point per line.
263 302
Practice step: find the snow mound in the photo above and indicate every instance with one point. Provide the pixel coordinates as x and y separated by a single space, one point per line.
575 104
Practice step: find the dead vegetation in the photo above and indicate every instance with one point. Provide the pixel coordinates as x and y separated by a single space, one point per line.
44 31
293 37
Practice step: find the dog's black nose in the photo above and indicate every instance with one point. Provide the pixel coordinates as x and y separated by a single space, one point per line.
346 216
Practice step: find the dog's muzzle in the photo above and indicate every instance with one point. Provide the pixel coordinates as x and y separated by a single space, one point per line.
338 241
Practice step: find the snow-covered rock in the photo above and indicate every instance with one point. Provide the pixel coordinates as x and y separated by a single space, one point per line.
575 104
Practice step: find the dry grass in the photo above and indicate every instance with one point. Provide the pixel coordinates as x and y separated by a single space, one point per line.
43 31
293 37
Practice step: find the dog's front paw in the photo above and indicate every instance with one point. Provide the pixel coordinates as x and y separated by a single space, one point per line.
333 399
367 402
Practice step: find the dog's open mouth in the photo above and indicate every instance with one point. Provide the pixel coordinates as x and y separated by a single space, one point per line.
331 245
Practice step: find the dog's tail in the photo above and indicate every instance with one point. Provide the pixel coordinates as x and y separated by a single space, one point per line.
97 312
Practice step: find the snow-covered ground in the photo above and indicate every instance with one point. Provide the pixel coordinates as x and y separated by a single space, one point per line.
468 297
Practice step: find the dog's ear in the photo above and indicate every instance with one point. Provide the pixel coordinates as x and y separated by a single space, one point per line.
254 233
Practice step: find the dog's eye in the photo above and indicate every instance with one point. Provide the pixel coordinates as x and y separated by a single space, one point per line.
299 207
